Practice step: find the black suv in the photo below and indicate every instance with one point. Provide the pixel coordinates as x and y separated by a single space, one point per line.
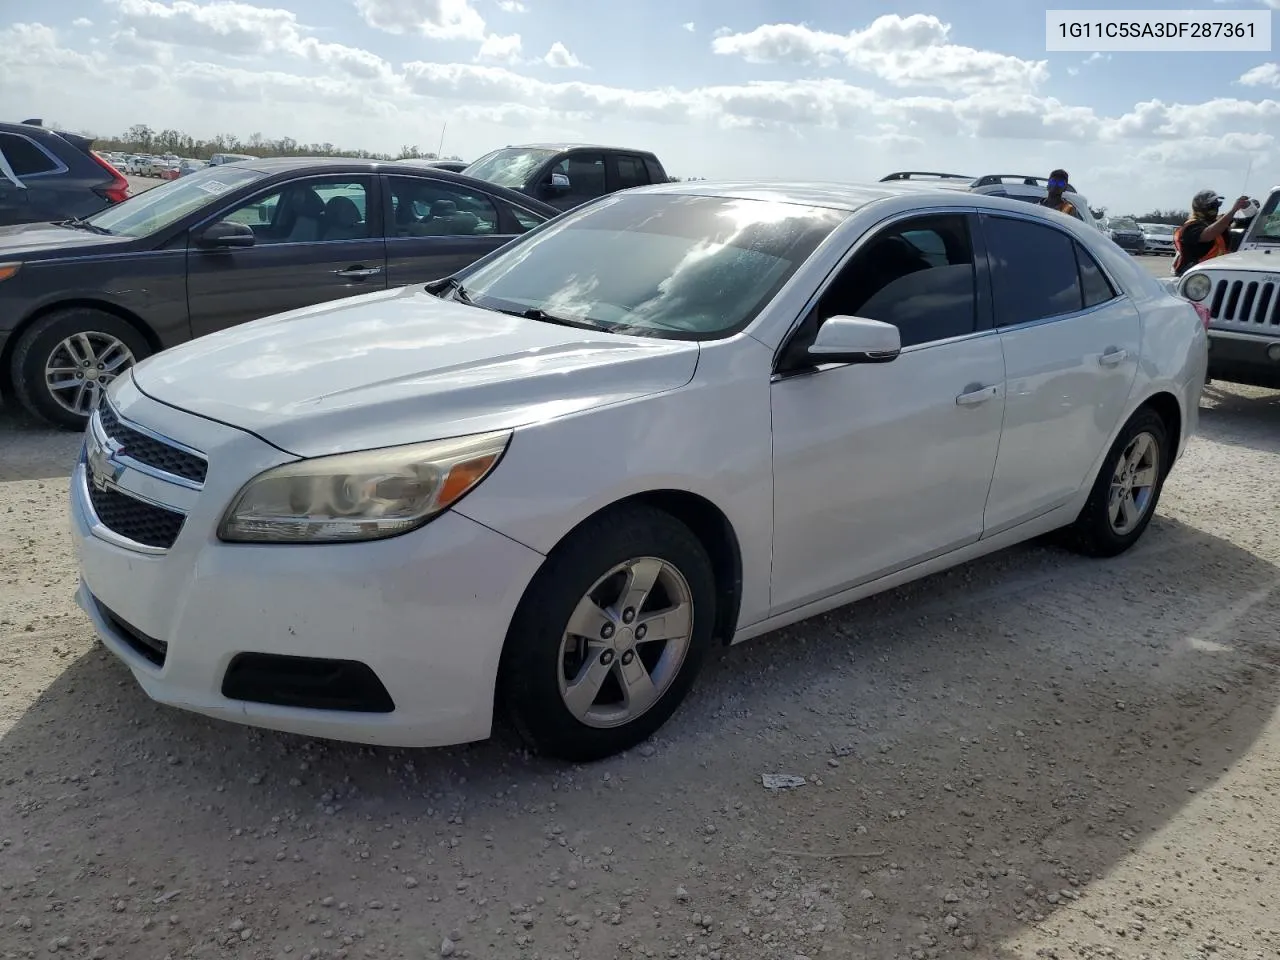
46 176
566 175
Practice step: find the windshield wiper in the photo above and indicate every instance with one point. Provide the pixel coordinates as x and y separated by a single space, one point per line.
450 283
582 323
79 223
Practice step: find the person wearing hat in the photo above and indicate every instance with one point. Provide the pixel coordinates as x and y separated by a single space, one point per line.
1059 182
1204 236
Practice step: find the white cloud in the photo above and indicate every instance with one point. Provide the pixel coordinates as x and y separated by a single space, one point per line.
82 22
690 26
437 19
512 6
1266 75
501 49
909 51
559 56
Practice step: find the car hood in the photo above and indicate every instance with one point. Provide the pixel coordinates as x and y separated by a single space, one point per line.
1251 260
402 366
37 240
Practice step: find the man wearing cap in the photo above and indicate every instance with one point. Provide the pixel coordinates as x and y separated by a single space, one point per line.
1059 182
1204 236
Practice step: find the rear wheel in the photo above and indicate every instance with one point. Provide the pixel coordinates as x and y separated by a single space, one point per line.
63 364
1126 490
609 636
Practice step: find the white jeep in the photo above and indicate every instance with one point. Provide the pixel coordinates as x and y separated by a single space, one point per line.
1241 294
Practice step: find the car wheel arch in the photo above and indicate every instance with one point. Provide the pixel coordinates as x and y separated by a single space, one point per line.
1167 408
89 303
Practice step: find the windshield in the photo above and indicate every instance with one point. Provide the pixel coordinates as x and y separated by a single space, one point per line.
1268 225
511 167
662 265
162 206
1123 223
1158 229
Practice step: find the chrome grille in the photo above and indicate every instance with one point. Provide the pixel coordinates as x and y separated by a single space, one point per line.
151 450
1250 303
134 519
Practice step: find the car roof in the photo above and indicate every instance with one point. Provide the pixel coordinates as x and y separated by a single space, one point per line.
560 147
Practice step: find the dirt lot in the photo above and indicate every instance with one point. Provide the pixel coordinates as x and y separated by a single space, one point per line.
1035 755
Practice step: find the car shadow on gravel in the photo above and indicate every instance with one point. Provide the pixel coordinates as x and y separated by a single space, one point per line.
1247 416
972 743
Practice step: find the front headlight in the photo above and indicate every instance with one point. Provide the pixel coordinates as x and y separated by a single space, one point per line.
360 496
1196 287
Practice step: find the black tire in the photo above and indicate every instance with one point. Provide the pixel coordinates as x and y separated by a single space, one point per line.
529 681
37 344
1092 533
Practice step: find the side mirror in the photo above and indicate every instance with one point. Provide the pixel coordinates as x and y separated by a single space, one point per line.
227 233
559 184
855 340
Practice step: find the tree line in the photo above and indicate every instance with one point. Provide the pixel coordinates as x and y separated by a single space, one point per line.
1174 218
141 138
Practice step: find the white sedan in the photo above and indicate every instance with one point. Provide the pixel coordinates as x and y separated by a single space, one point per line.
680 415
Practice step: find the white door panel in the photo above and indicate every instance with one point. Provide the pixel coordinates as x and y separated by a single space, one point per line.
877 466
1068 381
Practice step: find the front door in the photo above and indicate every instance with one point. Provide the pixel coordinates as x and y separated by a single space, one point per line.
880 466
317 239
435 228
1071 345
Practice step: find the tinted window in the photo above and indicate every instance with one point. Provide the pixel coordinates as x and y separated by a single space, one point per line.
1034 272
1093 282
586 176
631 172
308 211
433 208
679 267
25 157
917 275
655 171
526 219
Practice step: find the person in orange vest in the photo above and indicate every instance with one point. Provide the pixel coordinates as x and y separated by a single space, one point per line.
1058 182
1204 236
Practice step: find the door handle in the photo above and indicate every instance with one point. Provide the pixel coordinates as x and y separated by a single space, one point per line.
975 395
1112 356
358 273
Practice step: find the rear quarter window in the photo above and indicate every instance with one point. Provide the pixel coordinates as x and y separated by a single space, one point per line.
26 159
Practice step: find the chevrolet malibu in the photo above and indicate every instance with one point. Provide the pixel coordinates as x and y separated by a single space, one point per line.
680 415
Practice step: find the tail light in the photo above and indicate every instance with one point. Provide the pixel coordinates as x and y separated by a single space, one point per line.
1203 311
118 190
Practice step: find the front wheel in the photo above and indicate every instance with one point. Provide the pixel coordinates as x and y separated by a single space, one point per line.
1126 490
65 361
609 636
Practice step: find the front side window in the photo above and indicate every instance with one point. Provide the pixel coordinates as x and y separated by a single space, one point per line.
917 275
433 208
585 173
511 167
680 267
1034 270
308 211
163 206
1268 229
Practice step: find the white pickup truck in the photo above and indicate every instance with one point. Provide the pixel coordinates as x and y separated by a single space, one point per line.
1241 292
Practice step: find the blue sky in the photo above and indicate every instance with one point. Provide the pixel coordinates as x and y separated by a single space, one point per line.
749 88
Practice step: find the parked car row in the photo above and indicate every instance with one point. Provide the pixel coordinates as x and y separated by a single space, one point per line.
548 483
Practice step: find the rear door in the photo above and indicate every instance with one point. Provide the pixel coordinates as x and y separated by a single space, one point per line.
437 227
1071 346
317 239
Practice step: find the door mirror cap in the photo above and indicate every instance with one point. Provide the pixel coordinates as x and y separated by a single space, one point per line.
855 340
559 183
227 233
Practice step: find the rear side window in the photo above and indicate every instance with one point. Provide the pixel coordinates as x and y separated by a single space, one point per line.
1094 284
25 157
631 172
1034 274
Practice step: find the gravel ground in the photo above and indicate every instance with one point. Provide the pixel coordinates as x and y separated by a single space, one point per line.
1033 755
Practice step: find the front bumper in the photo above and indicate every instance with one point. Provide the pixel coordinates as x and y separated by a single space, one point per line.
1246 358
1130 244
427 612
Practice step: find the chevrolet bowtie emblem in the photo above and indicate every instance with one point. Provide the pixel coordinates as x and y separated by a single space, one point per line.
104 468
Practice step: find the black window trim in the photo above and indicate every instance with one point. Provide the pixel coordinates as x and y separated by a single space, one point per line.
373 204
1056 318
59 168
506 219
984 319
